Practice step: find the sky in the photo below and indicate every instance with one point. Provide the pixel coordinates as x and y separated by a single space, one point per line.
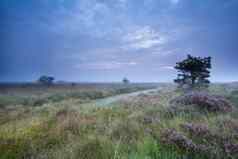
106 40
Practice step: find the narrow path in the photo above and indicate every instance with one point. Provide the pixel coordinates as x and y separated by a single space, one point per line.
109 100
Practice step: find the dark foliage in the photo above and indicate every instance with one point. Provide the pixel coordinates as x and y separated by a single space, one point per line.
193 72
46 80
125 81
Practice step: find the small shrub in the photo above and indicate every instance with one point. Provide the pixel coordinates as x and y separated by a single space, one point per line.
203 101
198 130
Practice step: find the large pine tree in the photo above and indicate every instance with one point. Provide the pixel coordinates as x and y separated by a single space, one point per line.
193 72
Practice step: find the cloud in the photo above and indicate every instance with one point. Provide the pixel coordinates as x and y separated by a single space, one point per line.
144 38
122 3
95 30
168 67
105 65
166 51
174 1
87 17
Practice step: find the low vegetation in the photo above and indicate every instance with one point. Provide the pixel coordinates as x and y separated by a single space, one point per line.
47 120
136 127
38 94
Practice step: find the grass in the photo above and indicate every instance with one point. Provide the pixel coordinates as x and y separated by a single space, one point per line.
131 128
37 95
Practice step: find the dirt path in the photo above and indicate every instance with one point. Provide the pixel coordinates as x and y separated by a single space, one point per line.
109 100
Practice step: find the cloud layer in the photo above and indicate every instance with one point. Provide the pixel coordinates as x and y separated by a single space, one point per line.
72 39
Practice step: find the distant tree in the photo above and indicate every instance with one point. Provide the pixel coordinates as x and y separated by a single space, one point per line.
193 72
73 84
125 80
46 80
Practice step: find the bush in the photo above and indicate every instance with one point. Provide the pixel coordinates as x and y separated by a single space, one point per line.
198 138
204 101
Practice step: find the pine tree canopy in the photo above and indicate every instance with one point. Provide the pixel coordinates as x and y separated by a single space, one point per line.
193 71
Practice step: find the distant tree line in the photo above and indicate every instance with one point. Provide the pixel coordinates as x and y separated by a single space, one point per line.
193 73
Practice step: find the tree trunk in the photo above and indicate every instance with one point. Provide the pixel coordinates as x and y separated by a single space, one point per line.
193 81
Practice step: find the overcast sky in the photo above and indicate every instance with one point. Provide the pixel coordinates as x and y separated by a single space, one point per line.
106 40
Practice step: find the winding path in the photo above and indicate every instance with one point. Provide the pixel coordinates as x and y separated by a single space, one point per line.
109 100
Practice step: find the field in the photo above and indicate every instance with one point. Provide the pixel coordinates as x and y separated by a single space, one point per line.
116 121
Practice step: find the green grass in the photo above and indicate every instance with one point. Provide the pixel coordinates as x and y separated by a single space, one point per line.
35 95
133 128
